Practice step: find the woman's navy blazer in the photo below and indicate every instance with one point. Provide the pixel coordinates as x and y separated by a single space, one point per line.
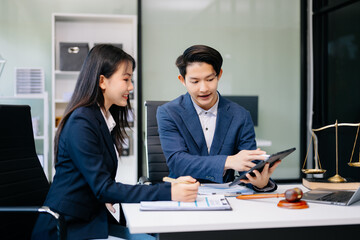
85 179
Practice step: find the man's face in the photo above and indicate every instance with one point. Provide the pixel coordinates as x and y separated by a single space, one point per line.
201 83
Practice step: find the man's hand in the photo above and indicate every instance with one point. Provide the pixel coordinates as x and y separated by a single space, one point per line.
242 161
260 180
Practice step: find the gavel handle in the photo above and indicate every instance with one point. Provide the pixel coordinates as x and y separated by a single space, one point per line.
258 196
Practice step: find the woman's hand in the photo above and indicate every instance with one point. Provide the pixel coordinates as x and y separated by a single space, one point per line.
110 207
185 189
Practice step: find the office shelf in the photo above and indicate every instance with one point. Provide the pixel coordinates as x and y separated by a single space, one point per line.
93 29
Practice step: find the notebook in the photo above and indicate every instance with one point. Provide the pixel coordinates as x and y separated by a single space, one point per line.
337 197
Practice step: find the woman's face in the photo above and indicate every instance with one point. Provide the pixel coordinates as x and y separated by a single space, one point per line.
117 87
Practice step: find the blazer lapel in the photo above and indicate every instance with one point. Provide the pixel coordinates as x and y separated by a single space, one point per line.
224 118
106 135
192 123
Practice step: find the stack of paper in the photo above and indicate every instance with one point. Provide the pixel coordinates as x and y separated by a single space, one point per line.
203 202
216 188
29 80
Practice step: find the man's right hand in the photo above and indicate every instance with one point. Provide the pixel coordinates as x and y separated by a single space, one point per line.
242 161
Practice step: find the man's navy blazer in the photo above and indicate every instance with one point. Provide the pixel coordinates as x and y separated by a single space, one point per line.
85 179
184 145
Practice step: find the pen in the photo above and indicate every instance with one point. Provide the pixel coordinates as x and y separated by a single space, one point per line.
173 180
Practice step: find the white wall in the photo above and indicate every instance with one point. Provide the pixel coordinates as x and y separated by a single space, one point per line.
25 32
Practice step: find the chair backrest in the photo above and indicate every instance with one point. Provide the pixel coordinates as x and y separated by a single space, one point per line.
22 179
156 162
250 103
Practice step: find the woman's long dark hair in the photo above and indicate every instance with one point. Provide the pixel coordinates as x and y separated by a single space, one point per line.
104 60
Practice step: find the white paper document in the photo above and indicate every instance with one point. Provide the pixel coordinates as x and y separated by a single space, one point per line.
203 202
224 189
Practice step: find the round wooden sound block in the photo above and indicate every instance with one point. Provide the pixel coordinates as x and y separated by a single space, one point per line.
293 205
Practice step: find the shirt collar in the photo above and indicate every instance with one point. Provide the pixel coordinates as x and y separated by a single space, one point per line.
212 110
110 122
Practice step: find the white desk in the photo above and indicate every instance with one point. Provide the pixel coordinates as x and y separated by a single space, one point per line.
261 215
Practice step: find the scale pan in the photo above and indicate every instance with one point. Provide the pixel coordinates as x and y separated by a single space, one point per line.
354 164
313 171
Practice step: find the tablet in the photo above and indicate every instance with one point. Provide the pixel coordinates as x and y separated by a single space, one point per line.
271 159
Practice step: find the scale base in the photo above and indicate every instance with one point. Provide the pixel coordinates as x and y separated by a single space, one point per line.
336 179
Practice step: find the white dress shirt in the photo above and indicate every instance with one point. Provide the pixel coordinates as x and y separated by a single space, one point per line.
110 122
208 121
208 124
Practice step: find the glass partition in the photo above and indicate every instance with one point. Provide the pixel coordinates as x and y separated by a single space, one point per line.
260 43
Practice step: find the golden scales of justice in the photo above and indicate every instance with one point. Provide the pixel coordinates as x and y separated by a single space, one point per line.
318 169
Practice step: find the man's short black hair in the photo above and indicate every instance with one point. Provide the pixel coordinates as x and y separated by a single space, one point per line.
199 53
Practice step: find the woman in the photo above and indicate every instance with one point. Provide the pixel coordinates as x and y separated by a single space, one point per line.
88 140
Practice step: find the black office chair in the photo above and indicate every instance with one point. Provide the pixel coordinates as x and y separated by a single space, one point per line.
23 184
155 159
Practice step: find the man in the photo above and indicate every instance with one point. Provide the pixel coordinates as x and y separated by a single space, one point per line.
205 135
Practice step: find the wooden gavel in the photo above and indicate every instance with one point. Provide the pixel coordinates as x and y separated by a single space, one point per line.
291 195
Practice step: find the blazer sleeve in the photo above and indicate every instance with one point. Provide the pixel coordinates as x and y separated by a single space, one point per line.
86 148
182 154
